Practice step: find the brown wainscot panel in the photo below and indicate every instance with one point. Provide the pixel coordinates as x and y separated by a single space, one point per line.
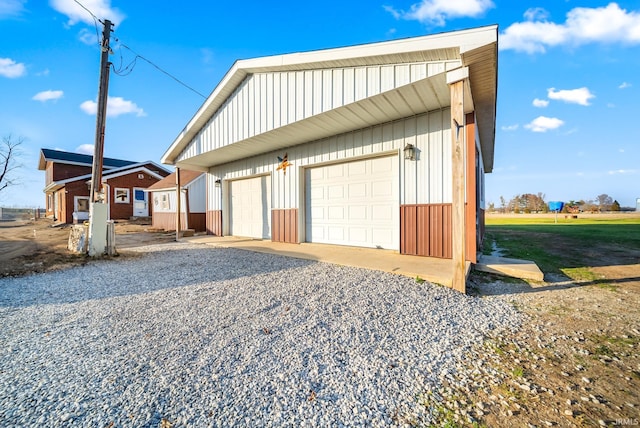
284 225
425 230
197 222
214 222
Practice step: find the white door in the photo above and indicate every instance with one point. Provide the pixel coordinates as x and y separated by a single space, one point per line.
250 205
140 203
354 203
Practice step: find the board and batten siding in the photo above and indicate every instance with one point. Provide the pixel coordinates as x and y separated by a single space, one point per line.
426 180
266 101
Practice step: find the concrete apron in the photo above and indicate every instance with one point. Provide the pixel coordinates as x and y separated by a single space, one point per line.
435 270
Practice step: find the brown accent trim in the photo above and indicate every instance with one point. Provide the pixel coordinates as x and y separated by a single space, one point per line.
471 207
284 225
425 230
214 222
167 221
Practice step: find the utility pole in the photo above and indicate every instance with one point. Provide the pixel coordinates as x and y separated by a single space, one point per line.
98 210
98 150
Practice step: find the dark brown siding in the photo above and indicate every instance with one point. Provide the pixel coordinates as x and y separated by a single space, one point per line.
214 222
198 222
425 230
62 171
128 181
284 225
75 188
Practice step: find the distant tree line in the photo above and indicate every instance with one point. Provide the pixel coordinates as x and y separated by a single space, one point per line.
529 203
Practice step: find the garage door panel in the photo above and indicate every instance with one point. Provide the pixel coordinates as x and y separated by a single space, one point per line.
358 190
335 171
358 235
358 212
357 169
336 213
335 233
382 189
361 206
382 213
335 192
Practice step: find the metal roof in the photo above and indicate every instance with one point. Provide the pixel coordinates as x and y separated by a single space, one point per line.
50 155
476 48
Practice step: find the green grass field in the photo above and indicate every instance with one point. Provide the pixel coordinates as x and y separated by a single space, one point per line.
571 245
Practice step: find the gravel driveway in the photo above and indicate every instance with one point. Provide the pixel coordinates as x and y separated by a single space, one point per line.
190 335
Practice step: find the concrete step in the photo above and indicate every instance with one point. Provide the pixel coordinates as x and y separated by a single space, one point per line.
523 269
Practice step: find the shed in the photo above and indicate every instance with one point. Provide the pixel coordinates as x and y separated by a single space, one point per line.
193 206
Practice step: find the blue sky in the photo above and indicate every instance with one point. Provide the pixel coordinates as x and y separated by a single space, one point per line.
568 78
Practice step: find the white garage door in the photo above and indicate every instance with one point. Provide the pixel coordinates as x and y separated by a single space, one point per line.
250 207
354 203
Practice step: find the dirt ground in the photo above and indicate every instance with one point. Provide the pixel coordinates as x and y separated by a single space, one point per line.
574 362
29 246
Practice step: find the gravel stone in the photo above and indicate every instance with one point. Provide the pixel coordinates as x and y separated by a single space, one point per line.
190 335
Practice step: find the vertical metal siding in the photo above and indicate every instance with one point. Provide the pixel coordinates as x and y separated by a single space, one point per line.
425 181
265 101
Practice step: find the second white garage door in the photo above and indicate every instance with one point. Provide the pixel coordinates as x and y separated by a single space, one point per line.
250 207
354 203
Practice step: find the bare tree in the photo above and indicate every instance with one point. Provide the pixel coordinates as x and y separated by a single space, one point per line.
9 154
604 202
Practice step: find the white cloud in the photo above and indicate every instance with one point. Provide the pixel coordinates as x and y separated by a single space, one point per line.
436 12
574 96
536 13
508 128
88 37
540 103
623 172
116 106
11 69
45 96
11 8
544 124
624 85
85 149
583 25
100 8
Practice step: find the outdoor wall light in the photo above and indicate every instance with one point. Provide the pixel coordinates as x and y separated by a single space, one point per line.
410 152
218 182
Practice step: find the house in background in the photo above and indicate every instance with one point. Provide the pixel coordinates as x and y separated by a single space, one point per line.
193 201
67 179
383 145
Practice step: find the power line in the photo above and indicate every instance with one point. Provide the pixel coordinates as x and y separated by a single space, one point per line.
95 20
129 68
133 63
89 12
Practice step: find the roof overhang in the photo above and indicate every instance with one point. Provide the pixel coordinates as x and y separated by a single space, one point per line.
476 48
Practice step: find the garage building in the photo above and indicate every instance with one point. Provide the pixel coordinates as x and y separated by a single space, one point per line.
382 145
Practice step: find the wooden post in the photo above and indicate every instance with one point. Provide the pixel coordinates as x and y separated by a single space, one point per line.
178 208
458 245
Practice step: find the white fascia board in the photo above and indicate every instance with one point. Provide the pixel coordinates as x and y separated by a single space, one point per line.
457 75
111 175
464 39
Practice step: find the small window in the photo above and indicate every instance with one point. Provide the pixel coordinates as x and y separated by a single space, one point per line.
83 204
165 202
121 195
